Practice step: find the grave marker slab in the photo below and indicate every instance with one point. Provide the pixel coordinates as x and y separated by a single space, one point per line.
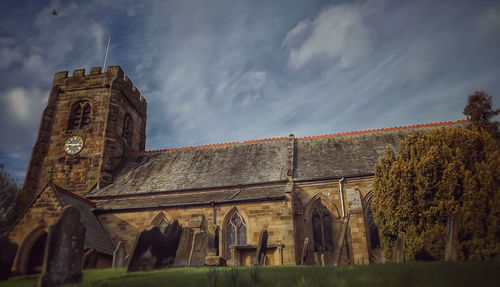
154 249
260 254
119 255
200 248
184 249
62 263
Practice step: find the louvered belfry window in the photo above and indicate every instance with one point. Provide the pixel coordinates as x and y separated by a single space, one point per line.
127 128
236 233
80 116
322 228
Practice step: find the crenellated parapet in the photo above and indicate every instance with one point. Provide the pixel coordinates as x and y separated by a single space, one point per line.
113 77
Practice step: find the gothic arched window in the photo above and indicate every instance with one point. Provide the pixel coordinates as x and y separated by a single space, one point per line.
80 116
236 232
322 228
127 128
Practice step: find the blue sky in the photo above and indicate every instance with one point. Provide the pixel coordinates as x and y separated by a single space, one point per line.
219 71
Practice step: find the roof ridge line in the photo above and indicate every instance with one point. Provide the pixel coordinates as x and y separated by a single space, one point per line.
303 138
207 145
436 124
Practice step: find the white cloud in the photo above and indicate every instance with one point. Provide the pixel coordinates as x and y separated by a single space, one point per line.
23 105
489 22
337 33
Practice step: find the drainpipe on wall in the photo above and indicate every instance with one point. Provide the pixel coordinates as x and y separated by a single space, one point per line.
341 196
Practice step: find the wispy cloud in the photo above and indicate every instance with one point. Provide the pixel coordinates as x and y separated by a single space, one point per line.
225 70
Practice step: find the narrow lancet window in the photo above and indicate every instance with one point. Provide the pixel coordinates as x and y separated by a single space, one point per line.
80 116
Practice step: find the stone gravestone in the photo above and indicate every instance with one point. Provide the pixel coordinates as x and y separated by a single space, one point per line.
119 256
62 263
154 249
168 249
200 248
399 249
260 255
7 254
450 253
304 251
213 258
184 249
142 257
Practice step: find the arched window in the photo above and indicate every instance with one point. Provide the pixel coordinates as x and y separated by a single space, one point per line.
80 116
160 220
127 128
236 232
322 228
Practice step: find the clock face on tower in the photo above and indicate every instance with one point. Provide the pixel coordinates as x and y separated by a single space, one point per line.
73 145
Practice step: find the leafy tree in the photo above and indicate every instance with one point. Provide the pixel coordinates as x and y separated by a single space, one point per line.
434 174
8 193
480 113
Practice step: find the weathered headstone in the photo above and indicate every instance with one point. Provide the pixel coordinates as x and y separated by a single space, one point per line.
154 249
62 263
213 240
200 249
213 258
184 249
260 254
304 251
399 249
119 260
198 223
450 253
142 257
168 249
8 251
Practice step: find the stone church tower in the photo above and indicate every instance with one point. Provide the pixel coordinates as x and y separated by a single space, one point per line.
90 123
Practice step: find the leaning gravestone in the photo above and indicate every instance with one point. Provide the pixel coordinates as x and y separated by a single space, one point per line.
399 249
184 249
200 249
7 254
143 257
62 263
213 257
119 256
168 248
260 255
154 249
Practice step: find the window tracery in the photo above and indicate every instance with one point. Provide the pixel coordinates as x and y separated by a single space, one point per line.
236 232
322 228
80 116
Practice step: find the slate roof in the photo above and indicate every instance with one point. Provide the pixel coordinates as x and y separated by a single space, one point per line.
254 162
95 235
243 194
350 154
197 168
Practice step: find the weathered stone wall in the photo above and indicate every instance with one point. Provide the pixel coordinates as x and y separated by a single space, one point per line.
111 95
275 216
307 194
43 213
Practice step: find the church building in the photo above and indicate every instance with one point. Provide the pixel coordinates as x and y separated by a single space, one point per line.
311 194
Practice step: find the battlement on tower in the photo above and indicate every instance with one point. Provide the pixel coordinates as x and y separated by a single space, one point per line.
113 77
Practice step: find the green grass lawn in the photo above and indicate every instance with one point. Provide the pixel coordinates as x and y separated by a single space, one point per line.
404 274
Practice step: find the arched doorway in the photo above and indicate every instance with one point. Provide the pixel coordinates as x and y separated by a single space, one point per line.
37 252
32 252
